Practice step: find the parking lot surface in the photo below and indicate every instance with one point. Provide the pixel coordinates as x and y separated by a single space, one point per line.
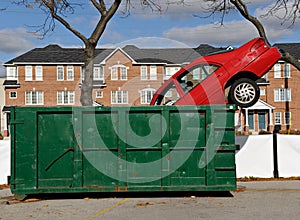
252 200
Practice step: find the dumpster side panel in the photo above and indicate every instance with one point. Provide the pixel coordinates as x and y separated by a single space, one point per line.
100 148
55 149
87 149
23 152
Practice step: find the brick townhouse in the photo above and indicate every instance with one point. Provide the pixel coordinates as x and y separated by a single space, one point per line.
52 76
279 104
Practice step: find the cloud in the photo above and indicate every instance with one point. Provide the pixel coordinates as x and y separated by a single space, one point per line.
180 9
231 33
149 42
14 41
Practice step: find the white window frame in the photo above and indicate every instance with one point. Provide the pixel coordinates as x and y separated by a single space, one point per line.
65 97
99 94
10 94
170 71
98 73
145 98
277 118
123 73
39 73
282 95
11 73
119 97
289 114
262 92
114 72
70 73
28 73
277 70
143 73
153 72
60 75
29 98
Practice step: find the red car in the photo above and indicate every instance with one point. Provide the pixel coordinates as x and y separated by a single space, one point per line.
224 77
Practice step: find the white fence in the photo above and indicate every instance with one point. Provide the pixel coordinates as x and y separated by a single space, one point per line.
256 155
254 159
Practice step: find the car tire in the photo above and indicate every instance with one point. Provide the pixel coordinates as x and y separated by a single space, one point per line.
244 92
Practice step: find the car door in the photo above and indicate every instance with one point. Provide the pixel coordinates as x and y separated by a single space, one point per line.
203 84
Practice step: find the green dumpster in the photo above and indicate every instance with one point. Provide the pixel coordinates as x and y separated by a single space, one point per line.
121 149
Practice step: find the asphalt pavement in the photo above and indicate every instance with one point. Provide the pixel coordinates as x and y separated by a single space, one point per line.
253 200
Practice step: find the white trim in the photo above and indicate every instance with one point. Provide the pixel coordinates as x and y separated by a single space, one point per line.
63 73
10 97
36 73
112 53
67 72
40 63
157 64
261 105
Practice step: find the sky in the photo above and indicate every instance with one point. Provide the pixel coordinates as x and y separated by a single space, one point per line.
180 23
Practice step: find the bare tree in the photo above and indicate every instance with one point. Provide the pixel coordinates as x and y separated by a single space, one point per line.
290 9
57 10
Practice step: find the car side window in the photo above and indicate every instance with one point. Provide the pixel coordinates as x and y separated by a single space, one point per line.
168 96
192 77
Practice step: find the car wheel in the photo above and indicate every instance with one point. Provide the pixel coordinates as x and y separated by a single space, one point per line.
244 92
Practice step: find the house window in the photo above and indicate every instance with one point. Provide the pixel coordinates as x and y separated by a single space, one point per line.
146 95
11 73
34 98
12 95
277 70
114 73
196 74
99 94
119 97
287 70
39 73
277 118
98 73
287 118
153 73
28 73
262 92
282 95
65 97
60 73
170 71
123 73
70 73
143 72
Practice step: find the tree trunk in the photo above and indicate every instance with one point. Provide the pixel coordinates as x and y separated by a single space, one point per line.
87 83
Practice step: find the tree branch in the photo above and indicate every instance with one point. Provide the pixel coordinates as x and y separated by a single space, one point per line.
242 8
101 25
53 10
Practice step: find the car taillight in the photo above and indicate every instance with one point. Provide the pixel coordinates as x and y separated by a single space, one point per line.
259 43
